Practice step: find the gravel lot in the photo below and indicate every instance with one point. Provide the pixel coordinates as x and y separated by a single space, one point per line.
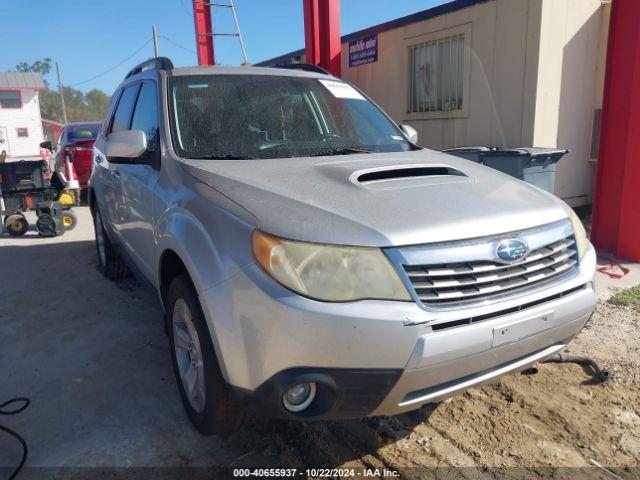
93 358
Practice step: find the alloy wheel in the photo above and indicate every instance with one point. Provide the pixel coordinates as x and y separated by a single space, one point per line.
189 355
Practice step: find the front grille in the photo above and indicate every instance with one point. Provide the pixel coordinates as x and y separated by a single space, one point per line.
441 284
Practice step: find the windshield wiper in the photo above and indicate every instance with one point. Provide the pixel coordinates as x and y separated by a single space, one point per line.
340 151
224 157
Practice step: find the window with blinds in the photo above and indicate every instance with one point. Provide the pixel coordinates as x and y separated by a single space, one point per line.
437 75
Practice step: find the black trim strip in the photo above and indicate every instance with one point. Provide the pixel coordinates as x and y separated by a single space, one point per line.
413 172
490 316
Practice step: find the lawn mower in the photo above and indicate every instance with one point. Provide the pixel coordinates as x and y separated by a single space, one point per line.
28 185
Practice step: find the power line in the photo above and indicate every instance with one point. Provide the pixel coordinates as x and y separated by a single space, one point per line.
177 44
189 13
114 67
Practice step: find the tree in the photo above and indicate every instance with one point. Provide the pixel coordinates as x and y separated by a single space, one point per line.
80 106
41 66
97 102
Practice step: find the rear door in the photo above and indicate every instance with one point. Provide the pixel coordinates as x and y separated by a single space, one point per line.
101 182
138 181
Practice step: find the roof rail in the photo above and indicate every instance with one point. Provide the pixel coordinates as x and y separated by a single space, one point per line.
158 63
303 66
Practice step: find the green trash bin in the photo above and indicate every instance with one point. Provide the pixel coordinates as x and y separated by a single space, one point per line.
469 153
536 166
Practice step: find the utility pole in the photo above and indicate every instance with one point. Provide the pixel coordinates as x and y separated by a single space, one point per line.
154 30
61 91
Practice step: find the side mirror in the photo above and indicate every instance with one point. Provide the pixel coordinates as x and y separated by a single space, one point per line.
126 144
410 133
47 145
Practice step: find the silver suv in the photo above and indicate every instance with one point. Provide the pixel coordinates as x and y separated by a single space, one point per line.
312 260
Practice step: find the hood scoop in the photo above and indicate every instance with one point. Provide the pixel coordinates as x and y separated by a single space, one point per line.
408 172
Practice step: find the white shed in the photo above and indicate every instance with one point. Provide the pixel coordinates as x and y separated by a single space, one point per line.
20 121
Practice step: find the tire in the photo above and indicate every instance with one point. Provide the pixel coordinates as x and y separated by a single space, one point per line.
46 226
209 406
109 262
69 220
16 224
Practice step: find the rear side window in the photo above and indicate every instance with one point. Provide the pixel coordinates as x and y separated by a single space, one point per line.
84 132
145 117
122 117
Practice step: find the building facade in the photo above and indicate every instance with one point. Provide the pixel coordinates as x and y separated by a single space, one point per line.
504 73
20 123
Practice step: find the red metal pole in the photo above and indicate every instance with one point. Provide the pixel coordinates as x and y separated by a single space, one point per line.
330 36
204 32
322 34
616 210
312 31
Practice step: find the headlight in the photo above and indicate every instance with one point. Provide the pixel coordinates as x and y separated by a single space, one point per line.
328 272
579 232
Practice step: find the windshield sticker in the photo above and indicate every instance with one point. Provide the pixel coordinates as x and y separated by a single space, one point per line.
341 89
198 85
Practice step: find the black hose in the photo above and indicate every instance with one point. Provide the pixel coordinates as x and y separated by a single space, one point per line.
600 374
25 449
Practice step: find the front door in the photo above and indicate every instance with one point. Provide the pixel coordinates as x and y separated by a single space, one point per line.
114 208
138 180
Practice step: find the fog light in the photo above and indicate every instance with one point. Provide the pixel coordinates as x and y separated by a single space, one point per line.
299 397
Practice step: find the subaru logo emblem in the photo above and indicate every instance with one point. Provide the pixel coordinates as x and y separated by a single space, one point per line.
511 250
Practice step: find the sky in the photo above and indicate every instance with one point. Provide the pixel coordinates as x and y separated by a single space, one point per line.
90 37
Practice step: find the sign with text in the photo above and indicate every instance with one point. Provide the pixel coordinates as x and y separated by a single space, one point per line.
363 50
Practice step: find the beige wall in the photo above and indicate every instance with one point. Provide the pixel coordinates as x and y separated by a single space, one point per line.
534 77
503 59
570 83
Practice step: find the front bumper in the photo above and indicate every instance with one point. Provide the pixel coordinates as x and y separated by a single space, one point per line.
379 357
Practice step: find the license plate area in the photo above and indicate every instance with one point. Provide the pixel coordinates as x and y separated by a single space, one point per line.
514 331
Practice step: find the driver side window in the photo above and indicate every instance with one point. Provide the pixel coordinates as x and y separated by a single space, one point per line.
122 115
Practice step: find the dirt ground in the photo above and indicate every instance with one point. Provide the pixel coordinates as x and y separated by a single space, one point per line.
93 358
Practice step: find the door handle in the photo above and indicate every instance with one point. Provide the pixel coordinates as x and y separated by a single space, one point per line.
115 174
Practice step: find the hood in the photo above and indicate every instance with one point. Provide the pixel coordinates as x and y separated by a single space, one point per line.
381 200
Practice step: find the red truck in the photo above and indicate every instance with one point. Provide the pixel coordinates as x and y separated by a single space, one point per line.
75 142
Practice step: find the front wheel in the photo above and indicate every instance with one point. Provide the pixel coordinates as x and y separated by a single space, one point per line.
109 262
203 391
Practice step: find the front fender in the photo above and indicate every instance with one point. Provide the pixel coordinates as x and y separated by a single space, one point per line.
212 249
